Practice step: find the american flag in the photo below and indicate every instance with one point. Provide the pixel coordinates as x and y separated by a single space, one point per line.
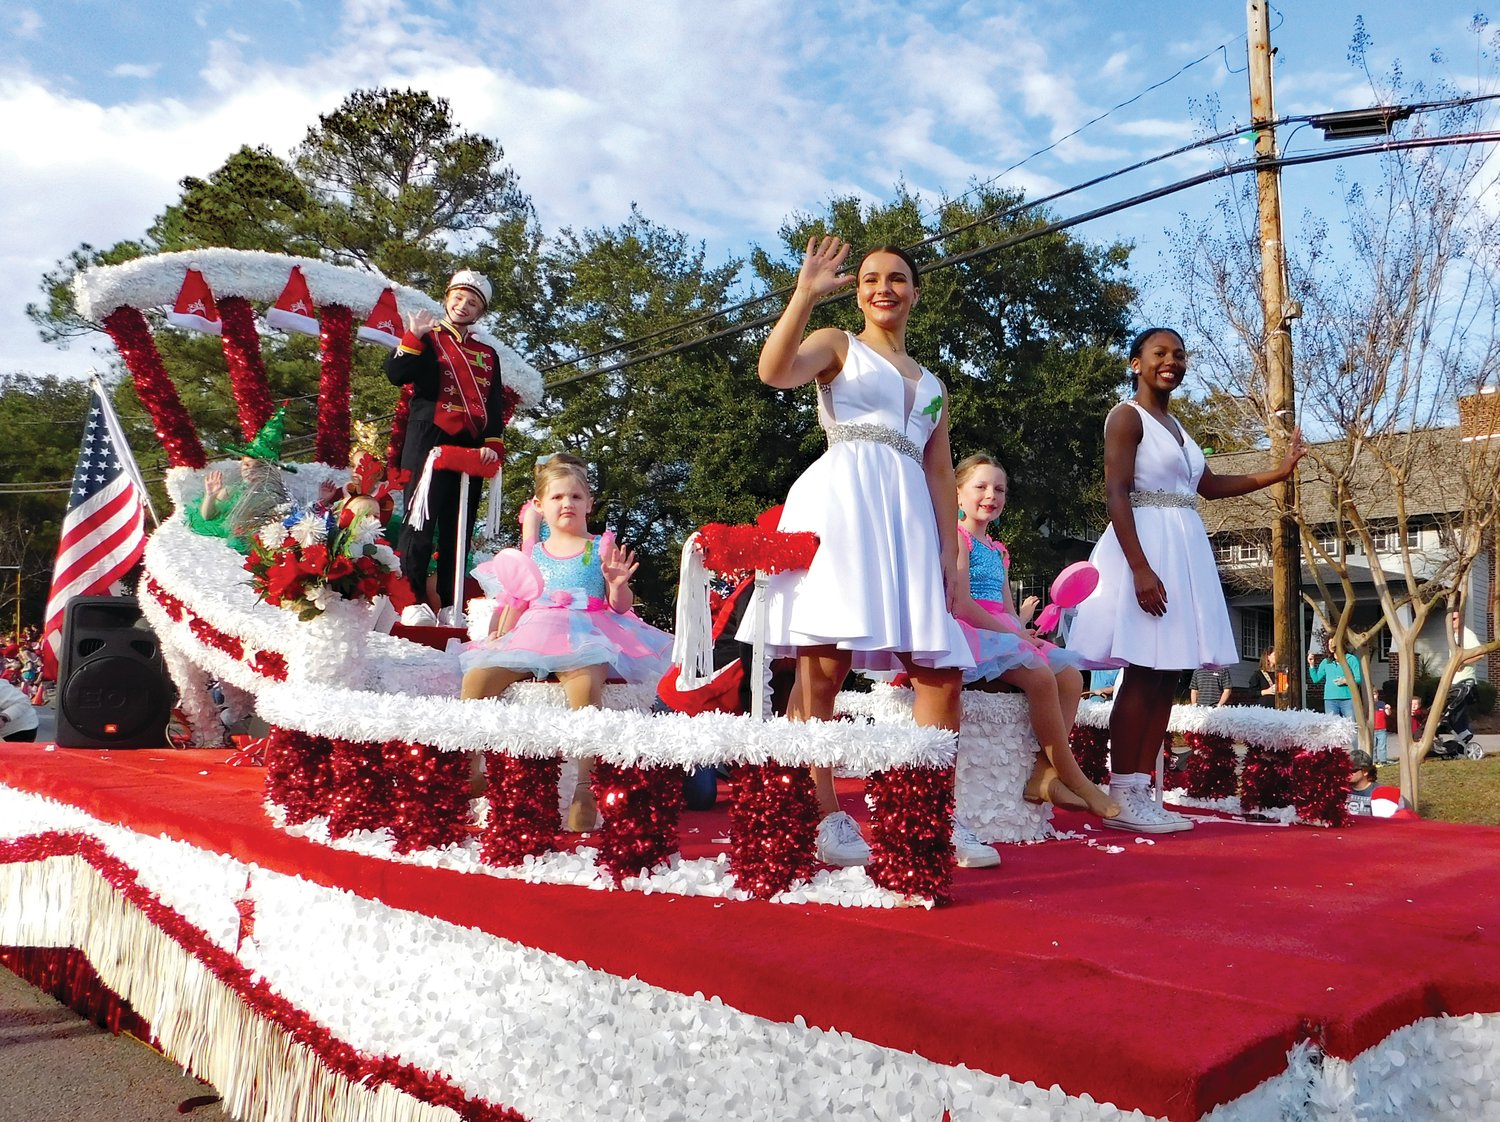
104 531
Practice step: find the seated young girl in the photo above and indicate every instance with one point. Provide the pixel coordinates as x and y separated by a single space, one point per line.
1005 650
581 628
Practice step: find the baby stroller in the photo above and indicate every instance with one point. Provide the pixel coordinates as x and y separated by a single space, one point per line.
1455 739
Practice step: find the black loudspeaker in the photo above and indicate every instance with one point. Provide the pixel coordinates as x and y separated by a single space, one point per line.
112 688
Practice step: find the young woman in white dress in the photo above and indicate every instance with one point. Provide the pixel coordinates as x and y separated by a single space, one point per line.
879 593
1159 608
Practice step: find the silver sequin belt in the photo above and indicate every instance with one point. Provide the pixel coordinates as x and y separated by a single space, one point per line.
857 430
1164 498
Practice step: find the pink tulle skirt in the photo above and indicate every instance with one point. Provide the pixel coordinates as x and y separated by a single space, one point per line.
995 652
548 638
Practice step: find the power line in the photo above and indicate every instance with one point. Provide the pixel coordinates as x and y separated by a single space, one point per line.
944 235
1227 170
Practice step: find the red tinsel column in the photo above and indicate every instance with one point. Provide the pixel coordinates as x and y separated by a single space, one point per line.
336 344
1267 778
361 788
247 371
911 831
1320 785
523 819
429 804
299 774
1091 749
132 336
771 826
398 427
1211 766
640 807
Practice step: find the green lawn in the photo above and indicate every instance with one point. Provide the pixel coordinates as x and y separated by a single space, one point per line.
1456 790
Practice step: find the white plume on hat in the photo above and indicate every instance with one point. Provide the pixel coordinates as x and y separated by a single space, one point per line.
474 282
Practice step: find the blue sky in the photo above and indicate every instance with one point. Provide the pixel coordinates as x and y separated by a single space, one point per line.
720 119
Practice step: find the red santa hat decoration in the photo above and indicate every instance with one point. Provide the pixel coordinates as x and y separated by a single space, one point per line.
383 325
293 311
194 309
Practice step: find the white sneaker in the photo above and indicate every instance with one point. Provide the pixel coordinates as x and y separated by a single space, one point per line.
969 851
418 615
1140 814
840 842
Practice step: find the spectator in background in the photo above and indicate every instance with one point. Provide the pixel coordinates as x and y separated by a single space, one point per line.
1273 685
1339 678
1102 684
1381 723
18 720
1210 686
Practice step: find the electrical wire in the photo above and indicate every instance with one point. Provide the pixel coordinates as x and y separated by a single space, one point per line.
1241 168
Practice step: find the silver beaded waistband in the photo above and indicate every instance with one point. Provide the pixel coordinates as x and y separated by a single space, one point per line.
1164 498
856 430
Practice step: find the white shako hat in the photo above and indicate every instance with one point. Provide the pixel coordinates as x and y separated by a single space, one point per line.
474 282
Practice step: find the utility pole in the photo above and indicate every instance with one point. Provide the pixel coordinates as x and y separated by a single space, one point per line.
1278 312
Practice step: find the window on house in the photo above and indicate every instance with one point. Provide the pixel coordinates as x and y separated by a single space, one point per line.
1255 632
1223 550
1383 645
1329 544
1247 551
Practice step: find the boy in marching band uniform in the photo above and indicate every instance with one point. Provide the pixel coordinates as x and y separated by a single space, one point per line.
457 399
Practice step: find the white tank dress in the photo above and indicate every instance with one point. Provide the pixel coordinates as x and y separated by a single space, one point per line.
1111 629
875 587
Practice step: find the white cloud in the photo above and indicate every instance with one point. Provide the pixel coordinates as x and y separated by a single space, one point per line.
135 70
25 23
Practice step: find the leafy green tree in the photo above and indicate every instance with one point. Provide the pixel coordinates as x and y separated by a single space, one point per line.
41 431
641 429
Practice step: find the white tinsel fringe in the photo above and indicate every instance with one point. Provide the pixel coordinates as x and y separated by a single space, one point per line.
412 693
495 1017
1246 724
150 282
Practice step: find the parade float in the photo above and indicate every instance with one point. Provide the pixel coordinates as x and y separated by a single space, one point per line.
343 933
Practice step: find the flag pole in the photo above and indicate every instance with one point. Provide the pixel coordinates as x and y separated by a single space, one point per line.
122 446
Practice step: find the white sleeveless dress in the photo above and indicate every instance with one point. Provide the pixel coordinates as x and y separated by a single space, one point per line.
1111 629
875 587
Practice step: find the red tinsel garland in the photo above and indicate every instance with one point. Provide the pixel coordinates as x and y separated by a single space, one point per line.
360 799
429 801
299 774
735 549
640 807
270 664
337 1056
911 834
1267 779
210 636
169 603
398 428
772 823
1211 768
1091 749
132 336
247 371
523 819
1320 785
336 346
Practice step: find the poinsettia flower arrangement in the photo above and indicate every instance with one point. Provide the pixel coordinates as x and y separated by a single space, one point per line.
310 559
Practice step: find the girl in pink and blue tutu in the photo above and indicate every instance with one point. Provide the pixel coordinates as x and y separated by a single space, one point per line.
1007 652
580 629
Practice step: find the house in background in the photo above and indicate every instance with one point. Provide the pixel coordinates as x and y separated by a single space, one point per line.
1240 530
